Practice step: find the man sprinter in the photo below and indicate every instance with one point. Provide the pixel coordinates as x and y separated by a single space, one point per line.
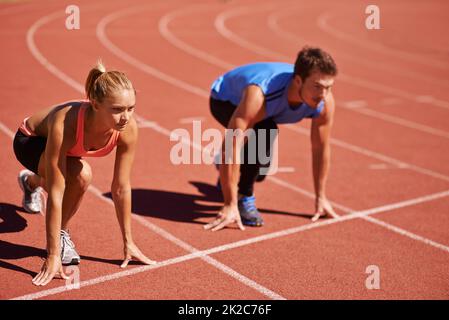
260 96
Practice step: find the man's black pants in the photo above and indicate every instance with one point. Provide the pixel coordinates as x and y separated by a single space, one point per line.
249 171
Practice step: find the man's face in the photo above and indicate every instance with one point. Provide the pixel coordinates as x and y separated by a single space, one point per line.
315 88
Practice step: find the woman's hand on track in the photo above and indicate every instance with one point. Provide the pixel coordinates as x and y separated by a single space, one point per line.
323 208
52 266
133 253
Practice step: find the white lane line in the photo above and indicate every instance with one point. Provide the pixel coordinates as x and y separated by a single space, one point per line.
101 35
191 119
78 87
167 34
432 100
390 101
40 57
403 122
376 155
407 233
220 25
354 104
379 166
165 31
322 22
304 192
6 130
273 24
363 214
360 106
274 235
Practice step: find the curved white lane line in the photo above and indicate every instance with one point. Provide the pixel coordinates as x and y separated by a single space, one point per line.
402 122
6 130
101 34
164 29
273 24
40 57
220 24
377 155
163 26
322 22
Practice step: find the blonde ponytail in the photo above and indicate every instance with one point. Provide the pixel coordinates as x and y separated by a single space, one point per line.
101 83
94 74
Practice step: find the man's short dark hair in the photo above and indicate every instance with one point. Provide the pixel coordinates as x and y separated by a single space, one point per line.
312 59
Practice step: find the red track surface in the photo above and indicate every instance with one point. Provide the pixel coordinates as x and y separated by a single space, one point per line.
391 147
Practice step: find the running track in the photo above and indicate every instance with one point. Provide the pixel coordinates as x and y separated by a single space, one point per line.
389 180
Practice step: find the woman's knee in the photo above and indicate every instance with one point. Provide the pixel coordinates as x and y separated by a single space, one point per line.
79 173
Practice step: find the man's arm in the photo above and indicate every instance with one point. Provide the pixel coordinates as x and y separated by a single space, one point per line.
250 111
321 155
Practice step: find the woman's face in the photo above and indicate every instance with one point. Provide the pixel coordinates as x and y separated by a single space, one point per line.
117 109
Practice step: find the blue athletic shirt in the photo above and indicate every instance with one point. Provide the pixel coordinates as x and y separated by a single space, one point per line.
273 79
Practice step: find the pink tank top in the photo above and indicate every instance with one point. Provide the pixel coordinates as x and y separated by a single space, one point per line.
78 149
24 128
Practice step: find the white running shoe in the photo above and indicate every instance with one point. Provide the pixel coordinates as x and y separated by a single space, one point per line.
69 255
32 200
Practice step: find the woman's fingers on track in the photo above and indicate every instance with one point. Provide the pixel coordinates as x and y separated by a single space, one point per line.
45 276
133 253
61 274
125 263
142 259
43 279
49 276
147 260
38 277
317 216
330 211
